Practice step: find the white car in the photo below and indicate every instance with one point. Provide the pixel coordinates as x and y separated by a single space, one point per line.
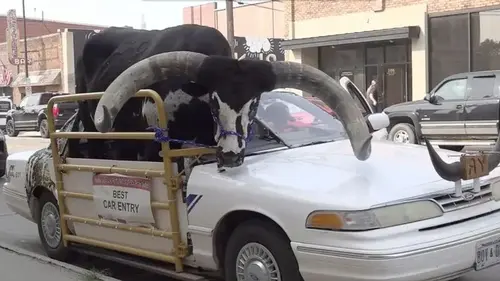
302 207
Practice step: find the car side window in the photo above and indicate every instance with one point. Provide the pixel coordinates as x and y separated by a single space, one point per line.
23 102
482 87
452 90
33 100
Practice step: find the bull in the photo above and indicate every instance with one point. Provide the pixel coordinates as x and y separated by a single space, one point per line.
190 66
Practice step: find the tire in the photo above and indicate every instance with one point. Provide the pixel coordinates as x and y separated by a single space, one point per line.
11 129
399 131
261 235
46 207
44 128
456 148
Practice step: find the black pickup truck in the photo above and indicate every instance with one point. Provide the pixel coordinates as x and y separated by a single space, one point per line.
462 110
31 114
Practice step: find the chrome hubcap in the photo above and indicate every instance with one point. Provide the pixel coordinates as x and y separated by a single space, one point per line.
401 137
10 128
51 227
256 263
43 129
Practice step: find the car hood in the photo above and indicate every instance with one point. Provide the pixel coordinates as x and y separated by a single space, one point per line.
406 106
329 173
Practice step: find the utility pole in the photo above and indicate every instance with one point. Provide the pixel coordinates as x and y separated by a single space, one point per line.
230 24
28 82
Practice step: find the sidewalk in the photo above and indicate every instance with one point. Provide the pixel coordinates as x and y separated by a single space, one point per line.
20 267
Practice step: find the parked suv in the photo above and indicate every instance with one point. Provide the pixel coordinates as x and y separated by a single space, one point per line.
5 106
461 110
31 114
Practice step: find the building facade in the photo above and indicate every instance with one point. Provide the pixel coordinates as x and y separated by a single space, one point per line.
407 46
259 27
256 19
51 51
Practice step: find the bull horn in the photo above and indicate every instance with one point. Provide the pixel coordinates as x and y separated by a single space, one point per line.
307 78
453 171
140 75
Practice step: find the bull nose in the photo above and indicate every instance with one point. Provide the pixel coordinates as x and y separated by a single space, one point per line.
229 159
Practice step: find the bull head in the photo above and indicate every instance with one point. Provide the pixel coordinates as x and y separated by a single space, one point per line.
234 88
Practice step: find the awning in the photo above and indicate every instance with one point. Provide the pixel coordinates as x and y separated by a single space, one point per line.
39 78
353 38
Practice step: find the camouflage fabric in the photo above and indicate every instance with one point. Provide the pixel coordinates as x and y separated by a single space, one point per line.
37 170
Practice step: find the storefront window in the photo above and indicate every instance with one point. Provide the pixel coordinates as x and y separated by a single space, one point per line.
449 46
375 55
485 40
396 53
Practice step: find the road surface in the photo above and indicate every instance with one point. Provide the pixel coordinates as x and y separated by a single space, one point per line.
19 232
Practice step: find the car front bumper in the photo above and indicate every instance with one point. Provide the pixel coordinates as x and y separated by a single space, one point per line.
446 260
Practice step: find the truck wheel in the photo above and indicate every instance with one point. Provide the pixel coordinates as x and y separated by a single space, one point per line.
258 250
403 133
44 128
10 129
49 228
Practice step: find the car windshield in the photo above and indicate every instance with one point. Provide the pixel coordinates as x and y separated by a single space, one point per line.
287 119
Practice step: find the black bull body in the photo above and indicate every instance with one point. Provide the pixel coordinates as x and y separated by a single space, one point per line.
112 51
190 66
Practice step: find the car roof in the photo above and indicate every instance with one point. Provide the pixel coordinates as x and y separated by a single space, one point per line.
475 73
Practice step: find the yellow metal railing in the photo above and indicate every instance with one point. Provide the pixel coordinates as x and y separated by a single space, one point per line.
171 180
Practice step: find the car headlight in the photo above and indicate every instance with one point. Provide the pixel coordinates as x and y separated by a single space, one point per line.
375 218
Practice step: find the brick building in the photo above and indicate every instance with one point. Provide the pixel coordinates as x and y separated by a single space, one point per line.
408 46
256 19
51 52
259 26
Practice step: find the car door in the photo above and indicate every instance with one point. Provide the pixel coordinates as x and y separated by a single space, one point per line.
481 107
445 118
18 114
31 111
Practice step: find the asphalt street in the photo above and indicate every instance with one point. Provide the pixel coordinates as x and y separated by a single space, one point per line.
16 231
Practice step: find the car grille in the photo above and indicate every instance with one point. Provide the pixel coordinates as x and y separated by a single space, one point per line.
450 203
4 106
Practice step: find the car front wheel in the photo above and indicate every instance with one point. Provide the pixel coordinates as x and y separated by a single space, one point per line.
258 250
403 133
10 129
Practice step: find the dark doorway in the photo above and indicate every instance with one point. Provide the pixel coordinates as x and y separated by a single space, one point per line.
394 86
386 62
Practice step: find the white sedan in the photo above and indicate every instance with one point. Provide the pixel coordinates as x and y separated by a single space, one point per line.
302 207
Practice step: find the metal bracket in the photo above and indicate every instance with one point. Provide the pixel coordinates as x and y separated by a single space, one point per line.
175 183
182 250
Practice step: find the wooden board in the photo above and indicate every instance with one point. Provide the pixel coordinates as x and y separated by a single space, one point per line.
474 166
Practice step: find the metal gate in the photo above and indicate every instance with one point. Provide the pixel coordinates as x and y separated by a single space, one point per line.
171 180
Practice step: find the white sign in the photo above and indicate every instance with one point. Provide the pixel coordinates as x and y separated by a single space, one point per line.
122 198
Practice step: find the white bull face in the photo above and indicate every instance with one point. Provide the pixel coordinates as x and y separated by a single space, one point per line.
233 125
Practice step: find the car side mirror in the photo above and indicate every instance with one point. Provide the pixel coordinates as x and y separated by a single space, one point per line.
434 99
378 121
18 107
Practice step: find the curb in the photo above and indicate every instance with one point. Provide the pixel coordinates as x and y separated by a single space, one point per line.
47 260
